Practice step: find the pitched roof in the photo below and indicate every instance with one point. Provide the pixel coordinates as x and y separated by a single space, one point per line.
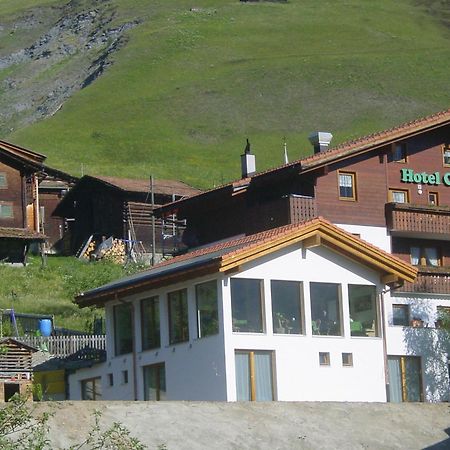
168 187
231 255
20 233
22 155
334 154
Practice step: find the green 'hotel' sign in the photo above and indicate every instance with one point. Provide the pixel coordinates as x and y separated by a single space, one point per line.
434 179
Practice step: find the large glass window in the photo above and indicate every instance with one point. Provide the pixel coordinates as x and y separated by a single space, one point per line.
363 310
150 323
246 304
325 309
91 389
347 186
254 375
123 333
178 316
155 382
286 307
207 314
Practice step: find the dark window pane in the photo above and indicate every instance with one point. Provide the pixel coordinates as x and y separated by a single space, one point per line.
123 334
325 309
207 314
400 315
155 382
363 312
178 316
286 307
246 304
150 323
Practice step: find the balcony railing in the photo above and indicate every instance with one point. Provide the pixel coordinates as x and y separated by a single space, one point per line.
62 346
302 208
430 280
405 219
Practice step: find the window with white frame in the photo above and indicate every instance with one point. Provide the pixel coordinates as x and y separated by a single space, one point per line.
247 305
326 309
207 310
363 310
178 316
286 307
123 324
150 323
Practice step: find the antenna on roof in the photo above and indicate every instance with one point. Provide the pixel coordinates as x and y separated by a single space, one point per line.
247 147
286 159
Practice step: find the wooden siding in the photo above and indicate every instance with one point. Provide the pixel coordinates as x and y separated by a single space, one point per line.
429 281
14 358
53 227
375 175
13 194
403 218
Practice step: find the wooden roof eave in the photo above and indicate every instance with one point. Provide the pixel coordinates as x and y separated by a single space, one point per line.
99 299
333 239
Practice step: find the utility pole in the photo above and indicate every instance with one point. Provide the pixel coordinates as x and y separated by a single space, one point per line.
152 197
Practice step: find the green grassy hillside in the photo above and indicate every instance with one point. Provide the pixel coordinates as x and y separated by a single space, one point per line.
190 85
51 289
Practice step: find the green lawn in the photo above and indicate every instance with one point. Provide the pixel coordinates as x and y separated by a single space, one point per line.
51 289
190 86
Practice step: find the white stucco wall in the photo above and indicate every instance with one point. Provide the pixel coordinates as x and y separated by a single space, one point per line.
204 369
430 343
298 373
375 235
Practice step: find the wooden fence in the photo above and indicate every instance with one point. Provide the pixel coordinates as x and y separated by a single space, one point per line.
63 346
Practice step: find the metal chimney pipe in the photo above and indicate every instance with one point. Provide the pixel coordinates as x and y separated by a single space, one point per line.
320 140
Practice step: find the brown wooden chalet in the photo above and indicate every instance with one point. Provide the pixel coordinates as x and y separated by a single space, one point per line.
23 214
15 369
122 208
359 182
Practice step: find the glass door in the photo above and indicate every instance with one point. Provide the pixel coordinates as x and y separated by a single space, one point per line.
405 379
254 375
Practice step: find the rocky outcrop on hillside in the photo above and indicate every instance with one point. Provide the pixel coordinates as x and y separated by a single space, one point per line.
71 46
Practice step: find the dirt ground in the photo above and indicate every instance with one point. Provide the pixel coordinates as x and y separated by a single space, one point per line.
277 425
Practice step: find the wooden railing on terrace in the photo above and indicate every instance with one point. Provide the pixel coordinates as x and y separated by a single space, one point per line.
430 280
402 217
62 346
302 208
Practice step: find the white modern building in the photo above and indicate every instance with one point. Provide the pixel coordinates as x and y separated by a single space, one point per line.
294 313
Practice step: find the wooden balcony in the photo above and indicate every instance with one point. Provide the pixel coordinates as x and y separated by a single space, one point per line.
430 280
302 208
407 220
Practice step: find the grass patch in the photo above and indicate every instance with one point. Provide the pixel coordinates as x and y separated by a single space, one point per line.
51 289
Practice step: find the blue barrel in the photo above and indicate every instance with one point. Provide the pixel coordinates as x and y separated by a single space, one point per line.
45 327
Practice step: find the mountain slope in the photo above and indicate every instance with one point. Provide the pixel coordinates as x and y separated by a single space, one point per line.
190 82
